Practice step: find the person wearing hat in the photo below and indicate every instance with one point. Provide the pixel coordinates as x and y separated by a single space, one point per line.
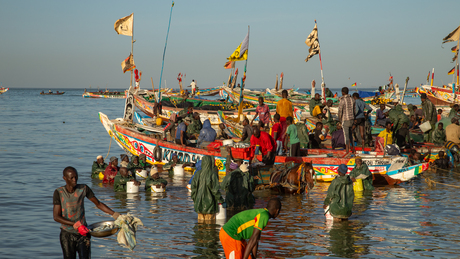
361 171
171 164
154 179
181 132
135 165
124 160
429 114
98 166
122 178
238 186
340 195
111 170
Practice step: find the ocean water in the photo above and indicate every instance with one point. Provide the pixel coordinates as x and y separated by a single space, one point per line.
41 135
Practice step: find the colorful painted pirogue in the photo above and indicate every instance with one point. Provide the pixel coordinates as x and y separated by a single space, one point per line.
2 90
100 94
386 170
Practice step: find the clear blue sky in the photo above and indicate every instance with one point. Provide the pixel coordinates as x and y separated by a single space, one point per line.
72 44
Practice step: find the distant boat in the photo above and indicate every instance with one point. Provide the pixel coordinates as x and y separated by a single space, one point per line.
101 94
51 93
3 89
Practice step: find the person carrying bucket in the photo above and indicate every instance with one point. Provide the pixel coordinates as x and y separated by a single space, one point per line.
340 196
361 176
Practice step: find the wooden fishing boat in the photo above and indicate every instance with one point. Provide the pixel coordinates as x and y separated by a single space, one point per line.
109 95
135 142
3 90
439 95
57 93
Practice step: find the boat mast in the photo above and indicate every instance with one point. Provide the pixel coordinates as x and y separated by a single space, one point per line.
243 80
323 85
132 55
456 68
164 52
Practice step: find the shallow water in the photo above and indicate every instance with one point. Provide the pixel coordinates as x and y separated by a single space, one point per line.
406 221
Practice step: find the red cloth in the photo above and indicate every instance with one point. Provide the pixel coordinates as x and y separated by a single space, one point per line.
277 127
83 230
109 174
265 142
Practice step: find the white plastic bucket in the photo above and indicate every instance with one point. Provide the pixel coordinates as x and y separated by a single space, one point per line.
426 126
142 174
178 170
154 188
228 142
131 188
328 214
221 213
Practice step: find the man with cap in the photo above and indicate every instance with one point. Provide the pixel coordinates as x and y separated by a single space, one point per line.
361 171
181 132
340 195
111 170
98 167
122 178
429 114
154 180
238 186
69 210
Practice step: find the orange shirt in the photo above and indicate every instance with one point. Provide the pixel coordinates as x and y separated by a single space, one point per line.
284 108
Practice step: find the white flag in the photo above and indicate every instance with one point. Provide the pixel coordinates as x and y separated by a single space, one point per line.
453 36
313 42
244 45
124 25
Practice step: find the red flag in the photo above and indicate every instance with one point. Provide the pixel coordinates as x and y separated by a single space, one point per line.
229 64
451 72
454 49
354 84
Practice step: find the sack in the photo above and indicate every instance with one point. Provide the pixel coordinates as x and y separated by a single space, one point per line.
392 150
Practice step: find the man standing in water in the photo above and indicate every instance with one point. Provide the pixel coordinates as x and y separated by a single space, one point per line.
247 225
69 210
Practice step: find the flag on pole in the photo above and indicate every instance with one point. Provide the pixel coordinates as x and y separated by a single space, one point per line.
128 63
354 84
428 76
229 64
241 53
454 49
124 26
313 42
451 72
453 36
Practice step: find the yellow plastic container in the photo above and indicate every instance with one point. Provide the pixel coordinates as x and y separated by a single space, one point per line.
358 185
159 121
101 176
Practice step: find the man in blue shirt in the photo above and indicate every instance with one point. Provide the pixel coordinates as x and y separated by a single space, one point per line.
360 121
181 132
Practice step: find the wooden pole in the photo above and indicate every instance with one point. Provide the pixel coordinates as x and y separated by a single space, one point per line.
404 92
323 85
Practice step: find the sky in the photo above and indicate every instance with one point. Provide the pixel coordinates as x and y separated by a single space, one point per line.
73 44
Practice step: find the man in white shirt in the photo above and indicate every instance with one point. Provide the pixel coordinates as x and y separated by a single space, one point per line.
193 86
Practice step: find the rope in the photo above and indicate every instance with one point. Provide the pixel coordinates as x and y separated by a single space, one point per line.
433 183
110 144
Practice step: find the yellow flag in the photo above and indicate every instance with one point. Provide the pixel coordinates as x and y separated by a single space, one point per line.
241 53
124 26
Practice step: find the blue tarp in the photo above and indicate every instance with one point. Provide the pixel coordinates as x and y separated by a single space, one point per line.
363 94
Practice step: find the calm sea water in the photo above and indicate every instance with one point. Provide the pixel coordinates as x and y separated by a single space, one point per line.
41 135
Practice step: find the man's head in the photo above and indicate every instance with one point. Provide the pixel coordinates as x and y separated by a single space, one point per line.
414 107
405 125
319 125
124 172
114 161
454 120
284 93
274 207
100 160
317 97
344 90
70 176
329 103
412 118
257 132
124 158
423 97
342 170
440 126
136 160
355 96
289 120
417 156
174 158
196 115
441 154
222 126
245 121
276 117
455 107
339 125
358 161
382 106
439 111
388 126
155 175
261 100
187 121
142 158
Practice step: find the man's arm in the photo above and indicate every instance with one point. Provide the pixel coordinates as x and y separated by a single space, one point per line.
182 133
253 244
255 116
